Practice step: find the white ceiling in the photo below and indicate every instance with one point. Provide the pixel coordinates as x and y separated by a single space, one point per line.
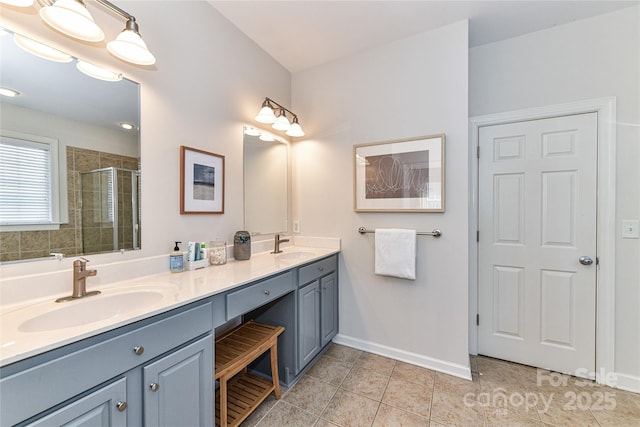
301 34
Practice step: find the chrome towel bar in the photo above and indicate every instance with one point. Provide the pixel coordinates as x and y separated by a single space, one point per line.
434 233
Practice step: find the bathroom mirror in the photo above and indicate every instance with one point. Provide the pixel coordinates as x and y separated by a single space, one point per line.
94 180
266 184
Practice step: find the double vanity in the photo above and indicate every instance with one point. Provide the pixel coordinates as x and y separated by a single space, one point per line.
142 352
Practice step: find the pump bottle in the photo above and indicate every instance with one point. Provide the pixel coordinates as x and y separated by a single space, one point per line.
176 259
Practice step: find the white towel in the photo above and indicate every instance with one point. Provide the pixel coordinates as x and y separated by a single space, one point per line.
396 253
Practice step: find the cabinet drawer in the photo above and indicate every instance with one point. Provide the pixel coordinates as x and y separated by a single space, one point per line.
253 296
28 392
313 271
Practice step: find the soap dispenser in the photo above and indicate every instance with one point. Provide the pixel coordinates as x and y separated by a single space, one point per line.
176 259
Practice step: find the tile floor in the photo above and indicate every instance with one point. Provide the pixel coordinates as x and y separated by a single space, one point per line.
349 387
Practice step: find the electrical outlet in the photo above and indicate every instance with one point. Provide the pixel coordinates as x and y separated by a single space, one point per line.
296 226
631 229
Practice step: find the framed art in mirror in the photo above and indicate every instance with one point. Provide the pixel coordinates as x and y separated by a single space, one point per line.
405 175
201 182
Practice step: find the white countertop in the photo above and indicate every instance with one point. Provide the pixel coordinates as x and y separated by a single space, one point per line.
177 289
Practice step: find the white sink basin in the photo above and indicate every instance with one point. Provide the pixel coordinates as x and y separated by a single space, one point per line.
294 256
91 309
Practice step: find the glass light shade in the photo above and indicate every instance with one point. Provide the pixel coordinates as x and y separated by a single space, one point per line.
282 123
266 138
130 47
295 130
19 3
98 72
41 50
251 131
5 91
266 115
72 18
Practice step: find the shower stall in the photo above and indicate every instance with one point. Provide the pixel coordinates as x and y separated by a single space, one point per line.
110 210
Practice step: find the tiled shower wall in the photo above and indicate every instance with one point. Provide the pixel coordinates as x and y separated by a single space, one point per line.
17 245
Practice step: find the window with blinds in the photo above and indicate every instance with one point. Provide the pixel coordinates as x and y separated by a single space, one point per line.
26 187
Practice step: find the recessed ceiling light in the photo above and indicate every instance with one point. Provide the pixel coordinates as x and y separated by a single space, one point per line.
127 126
5 91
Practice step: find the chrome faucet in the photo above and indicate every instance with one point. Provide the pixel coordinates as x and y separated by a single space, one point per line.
277 241
80 274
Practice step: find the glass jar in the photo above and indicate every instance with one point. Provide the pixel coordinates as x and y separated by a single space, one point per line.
242 245
217 252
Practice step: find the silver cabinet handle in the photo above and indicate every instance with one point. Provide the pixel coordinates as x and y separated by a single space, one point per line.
267 292
121 406
320 268
154 386
138 350
585 260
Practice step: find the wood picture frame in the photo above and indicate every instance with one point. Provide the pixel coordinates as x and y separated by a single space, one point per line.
404 175
201 182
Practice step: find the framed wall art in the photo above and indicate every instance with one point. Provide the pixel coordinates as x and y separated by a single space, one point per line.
201 182
405 175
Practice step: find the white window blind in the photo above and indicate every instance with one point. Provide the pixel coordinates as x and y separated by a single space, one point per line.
25 182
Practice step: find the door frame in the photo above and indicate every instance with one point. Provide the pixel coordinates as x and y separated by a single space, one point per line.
605 221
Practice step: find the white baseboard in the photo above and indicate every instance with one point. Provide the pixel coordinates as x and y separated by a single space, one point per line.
445 367
627 382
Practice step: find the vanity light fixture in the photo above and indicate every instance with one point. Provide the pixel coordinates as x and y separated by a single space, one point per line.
72 18
295 129
98 72
266 114
41 50
281 122
5 91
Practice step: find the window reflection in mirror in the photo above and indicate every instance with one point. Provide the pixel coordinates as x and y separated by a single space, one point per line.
266 171
88 198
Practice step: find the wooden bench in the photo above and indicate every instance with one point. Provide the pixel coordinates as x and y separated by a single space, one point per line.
240 392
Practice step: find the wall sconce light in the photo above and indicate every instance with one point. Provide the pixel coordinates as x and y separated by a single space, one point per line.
281 122
72 18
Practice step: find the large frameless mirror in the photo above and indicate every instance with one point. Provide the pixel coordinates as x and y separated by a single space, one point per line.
266 184
69 168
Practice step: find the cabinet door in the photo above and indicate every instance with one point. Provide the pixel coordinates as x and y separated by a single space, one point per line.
98 409
309 323
179 387
328 308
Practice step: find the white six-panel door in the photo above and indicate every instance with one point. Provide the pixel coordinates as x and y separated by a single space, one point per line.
537 221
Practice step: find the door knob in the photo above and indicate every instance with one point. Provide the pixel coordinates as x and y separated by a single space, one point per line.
585 260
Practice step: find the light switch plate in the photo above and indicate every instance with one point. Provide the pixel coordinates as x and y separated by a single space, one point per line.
631 229
296 226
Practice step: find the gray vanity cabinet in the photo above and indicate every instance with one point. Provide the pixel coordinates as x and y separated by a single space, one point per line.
328 308
104 407
317 308
107 380
308 323
177 387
